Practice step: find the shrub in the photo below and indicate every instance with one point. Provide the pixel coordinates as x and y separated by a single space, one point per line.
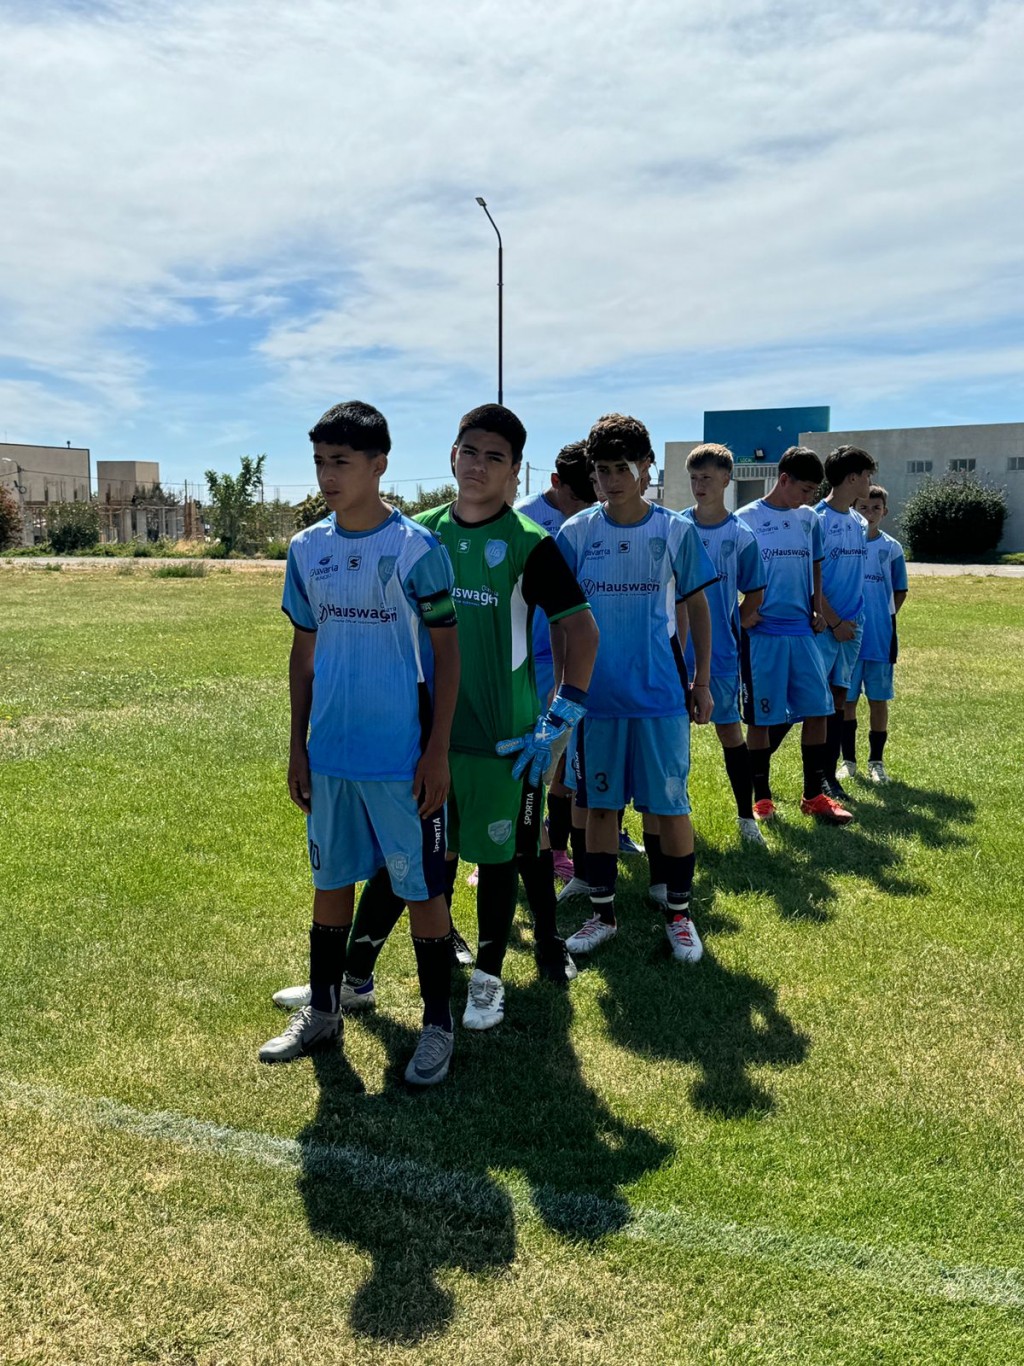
955 518
10 519
72 526
187 569
276 550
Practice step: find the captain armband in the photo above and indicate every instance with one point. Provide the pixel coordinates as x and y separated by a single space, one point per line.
438 610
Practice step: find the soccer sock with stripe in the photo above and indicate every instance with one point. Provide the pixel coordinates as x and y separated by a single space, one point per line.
760 770
377 914
814 760
655 858
495 909
434 969
327 945
559 822
538 874
876 743
850 741
679 881
738 768
603 871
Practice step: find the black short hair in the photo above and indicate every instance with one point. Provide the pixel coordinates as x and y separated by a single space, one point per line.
802 464
354 424
493 417
618 437
571 468
847 460
876 491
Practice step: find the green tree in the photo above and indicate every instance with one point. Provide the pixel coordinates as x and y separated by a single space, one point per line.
73 526
10 519
432 498
955 518
312 509
232 500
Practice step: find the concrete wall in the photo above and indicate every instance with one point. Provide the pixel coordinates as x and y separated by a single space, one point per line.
901 452
119 480
751 479
49 474
676 482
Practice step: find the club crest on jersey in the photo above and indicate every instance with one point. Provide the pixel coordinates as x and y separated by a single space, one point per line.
495 552
883 554
386 568
499 831
657 545
354 561
728 549
398 866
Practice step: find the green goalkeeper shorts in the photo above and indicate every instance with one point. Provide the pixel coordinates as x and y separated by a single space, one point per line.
492 816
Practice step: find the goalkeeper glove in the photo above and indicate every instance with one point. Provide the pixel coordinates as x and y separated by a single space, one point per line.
540 748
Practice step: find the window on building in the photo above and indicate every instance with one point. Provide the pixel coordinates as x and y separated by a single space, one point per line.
1015 463
962 465
919 467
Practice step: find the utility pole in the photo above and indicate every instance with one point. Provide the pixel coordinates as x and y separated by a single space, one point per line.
501 284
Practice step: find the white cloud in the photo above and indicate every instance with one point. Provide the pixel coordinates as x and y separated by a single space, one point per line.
669 180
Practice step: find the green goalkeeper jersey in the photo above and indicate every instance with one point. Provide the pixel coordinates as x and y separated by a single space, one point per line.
504 569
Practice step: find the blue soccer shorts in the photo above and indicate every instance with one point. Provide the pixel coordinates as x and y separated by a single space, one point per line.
725 693
644 760
839 657
355 828
873 677
783 678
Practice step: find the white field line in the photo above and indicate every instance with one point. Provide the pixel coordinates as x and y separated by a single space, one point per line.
904 1270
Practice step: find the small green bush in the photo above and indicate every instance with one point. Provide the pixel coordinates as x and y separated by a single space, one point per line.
72 527
955 518
10 519
187 569
276 550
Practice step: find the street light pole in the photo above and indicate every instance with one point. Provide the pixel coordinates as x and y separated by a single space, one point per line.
483 205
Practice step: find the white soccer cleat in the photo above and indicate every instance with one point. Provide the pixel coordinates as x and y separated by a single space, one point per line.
846 770
591 935
657 893
350 997
751 831
485 1005
307 1030
877 773
684 939
574 887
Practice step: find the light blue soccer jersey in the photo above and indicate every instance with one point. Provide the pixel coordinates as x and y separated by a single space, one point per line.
732 549
790 544
844 538
633 576
370 597
885 574
539 510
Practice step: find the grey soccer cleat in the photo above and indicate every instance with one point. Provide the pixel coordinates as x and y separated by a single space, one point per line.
433 1056
308 1029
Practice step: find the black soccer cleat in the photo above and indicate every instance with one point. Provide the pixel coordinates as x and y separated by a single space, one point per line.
554 961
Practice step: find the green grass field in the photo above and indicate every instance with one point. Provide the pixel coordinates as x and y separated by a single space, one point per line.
808 1148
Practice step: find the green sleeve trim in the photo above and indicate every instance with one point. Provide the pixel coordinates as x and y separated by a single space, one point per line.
569 611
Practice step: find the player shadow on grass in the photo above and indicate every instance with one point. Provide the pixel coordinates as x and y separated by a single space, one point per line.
411 1184
927 813
723 1021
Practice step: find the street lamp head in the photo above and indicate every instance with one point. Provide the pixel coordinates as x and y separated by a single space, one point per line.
482 202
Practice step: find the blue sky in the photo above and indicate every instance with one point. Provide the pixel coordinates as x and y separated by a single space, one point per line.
222 217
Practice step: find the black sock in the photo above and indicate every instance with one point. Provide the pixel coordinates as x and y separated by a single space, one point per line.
814 757
603 870
680 884
738 768
326 965
579 852
559 822
451 872
434 969
760 766
538 875
850 741
378 913
655 858
876 742
833 742
495 909
776 735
